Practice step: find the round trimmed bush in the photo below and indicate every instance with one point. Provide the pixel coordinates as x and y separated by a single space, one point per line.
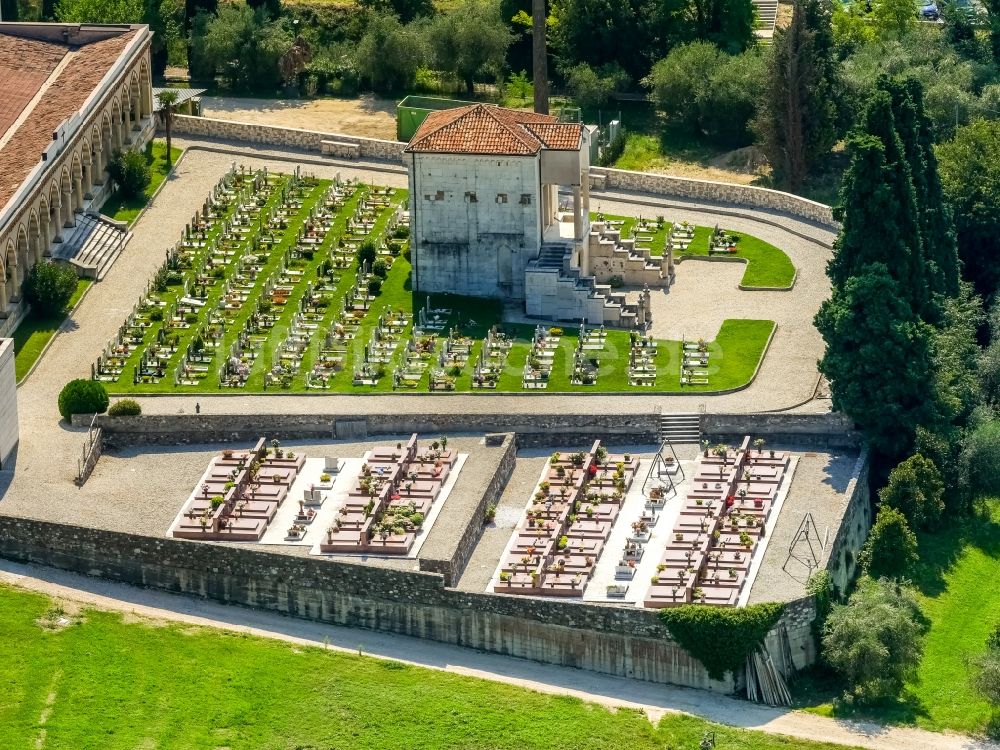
82 397
126 407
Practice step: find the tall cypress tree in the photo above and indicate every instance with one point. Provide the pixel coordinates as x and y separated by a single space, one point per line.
797 115
937 222
879 208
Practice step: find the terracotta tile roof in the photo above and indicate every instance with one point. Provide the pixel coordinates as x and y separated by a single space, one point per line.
82 73
26 65
488 129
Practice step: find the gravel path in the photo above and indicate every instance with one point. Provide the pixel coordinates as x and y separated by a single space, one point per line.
654 700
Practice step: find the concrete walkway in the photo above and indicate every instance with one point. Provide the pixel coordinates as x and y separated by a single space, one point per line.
654 700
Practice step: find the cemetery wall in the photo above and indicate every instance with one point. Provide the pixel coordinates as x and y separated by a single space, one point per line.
715 192
832 430
621 641
745 196
852 531
449 556
532 429
9 435
308 140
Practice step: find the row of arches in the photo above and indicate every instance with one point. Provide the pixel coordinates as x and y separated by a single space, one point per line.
73 180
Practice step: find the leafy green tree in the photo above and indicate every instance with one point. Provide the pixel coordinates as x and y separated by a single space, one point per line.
916 489
970 176
591 89
676 82
245 45
726 23
470 41
9 10
48 287
878 356
891 548
893 18
130 172
984 672
993 11
405 10
875 641
168 98
943 446
389 53
100 11
82 397
797 115
957 354
980 460
601 32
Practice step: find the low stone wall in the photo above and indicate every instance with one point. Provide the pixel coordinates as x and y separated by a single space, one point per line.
842 562
832 430
532 429
622 641
269 135
450 564
745 196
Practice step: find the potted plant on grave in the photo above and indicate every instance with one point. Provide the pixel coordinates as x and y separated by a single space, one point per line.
745 539
534 577
505 576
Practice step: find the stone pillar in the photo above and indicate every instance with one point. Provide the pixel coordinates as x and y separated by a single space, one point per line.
88 179
77 195
3 297
68 217
647 301
577 213
57 223
97 174
669 255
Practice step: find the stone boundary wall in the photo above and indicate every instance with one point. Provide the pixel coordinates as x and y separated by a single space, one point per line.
832 430
270 135
532 429
602 178
746 196
621 641
452 566
842 560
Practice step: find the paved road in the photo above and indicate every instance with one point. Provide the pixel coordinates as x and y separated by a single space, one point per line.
654 700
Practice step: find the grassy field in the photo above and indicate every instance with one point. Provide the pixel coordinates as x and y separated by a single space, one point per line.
99 683
956 581
734 355
34 332
127 209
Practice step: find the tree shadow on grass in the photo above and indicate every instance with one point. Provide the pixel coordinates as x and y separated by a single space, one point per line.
819 690
941 550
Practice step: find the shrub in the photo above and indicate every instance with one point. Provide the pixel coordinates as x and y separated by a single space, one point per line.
126 407
130 171
374 286
82 397
380 268
616 282
984 675
891 549
875 641
367 253
915 489
156 314
721 638
980 459
49 286
401 232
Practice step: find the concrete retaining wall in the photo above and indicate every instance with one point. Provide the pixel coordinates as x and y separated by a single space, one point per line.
531 429
621 641
449 557
745 196
269 135
832 430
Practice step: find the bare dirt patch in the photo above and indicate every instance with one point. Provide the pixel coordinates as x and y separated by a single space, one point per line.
367 116
61 614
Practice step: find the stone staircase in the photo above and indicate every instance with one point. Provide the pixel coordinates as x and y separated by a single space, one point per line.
92 245
767 15
557 290
680 428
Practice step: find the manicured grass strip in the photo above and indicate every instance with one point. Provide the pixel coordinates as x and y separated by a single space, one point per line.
767 266
122 209
101 683
34 333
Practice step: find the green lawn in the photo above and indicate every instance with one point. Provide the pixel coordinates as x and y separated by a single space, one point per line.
956 579
767 266
34 332
127 209
734 356
102 684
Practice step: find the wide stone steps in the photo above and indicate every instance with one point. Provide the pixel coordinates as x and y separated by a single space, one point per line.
767 14
93 245
680 428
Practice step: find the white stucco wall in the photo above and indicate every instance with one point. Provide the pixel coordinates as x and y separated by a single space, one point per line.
8 403
473 247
